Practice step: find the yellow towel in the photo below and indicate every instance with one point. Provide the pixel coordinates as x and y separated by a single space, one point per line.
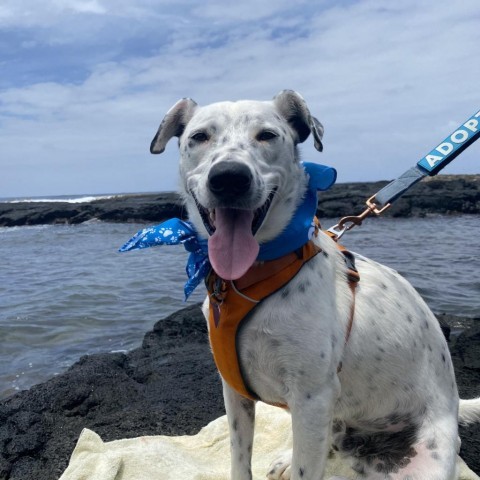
205 456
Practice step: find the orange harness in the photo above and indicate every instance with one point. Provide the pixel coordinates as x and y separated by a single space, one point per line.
231 302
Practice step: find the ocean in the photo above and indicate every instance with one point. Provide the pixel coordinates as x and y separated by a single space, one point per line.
65 291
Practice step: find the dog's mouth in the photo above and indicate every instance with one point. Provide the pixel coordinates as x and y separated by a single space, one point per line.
232 248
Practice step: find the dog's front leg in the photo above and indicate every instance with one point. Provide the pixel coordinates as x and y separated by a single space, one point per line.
311 424
241 422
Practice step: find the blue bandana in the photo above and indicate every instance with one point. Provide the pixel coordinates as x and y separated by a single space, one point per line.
296 234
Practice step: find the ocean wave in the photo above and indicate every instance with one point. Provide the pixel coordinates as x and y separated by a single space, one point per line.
14 229
79 199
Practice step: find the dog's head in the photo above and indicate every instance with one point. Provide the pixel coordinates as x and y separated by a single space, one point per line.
240 173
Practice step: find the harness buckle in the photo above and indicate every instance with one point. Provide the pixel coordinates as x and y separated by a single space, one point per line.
218 290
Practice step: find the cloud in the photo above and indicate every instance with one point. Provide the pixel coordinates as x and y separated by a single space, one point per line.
90 82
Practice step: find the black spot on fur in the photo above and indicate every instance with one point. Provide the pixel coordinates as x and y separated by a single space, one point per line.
325 254
235 425
249 408
301 472
384 287
395 418
388 451
303 286
337 426
432 444
409 318
426 325
386 467
285 293
435 456
311 265
359 467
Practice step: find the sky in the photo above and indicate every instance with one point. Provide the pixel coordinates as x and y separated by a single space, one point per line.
84 84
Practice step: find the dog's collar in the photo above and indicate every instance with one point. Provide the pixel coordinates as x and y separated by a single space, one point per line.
298 232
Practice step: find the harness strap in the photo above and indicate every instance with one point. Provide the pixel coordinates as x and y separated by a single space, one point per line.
261 271
353 278
230 307
231 303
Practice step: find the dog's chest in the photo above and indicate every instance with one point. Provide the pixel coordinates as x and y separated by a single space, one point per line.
291 337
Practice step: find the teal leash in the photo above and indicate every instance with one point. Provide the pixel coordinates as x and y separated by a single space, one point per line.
429 165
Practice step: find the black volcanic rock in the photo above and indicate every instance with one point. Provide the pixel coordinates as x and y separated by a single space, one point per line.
443 194
125 208
169 386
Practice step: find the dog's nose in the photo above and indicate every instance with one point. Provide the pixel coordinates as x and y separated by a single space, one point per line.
229 179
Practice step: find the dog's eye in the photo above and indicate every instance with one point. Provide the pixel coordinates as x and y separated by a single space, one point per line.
200 137
266 135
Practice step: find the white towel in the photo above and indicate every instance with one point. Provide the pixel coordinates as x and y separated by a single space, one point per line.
205 456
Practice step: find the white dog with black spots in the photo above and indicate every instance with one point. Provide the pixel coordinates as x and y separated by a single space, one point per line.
393 408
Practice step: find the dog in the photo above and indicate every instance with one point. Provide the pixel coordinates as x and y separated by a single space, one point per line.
386 399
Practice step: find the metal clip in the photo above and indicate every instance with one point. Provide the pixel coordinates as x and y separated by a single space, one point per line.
373 207
219 290
347 223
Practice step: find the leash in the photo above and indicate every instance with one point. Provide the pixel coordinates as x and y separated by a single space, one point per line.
429 165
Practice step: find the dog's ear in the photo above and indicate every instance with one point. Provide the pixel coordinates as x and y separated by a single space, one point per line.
294 108
173 124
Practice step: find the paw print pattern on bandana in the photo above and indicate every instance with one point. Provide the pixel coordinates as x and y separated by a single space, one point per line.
167 233
175 232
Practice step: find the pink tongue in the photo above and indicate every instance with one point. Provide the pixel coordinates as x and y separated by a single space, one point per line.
232 248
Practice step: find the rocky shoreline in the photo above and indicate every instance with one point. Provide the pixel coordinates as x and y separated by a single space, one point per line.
167 386
443 194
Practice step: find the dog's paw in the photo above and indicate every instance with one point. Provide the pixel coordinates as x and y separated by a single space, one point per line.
280 468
